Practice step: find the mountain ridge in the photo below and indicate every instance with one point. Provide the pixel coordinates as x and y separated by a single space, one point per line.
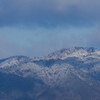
70 50
65 74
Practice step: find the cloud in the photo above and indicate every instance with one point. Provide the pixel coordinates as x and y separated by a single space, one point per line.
37 47
93 39
40 42
49 13
8 48
4 46
38 27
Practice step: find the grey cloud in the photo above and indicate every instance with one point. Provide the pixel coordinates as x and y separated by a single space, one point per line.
49 12
38 47
7 48
93 39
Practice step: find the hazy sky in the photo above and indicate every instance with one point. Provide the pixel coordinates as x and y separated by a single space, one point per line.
38 27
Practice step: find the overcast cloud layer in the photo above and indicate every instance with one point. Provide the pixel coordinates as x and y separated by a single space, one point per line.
38 27
49 12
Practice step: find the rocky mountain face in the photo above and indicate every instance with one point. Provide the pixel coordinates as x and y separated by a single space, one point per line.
68 74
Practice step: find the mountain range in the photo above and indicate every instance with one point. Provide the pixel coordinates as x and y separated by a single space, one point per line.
67 74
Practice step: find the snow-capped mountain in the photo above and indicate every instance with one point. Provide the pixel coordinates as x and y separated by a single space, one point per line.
73 52
67 74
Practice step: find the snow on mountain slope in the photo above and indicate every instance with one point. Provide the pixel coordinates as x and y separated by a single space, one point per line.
68 74
50 75
73 52
55 67
85 60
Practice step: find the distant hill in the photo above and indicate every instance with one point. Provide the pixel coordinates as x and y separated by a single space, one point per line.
67 74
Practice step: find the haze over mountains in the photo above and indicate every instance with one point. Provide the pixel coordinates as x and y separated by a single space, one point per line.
67 74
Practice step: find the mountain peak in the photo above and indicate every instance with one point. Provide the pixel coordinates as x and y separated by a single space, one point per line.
69 52
36 79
